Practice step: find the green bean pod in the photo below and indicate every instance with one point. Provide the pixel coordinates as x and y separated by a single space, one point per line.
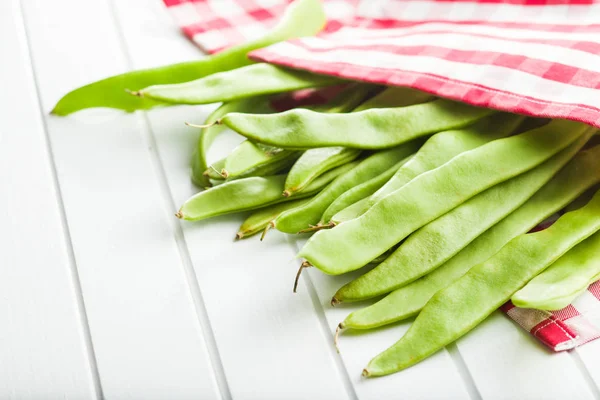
315 162
301 18
354 243
376 128
301 218
240 83
360 191
251 159
247 194
209 133
563 281
214 170
441 239
259 219
439 149
574 179
455 310
395 96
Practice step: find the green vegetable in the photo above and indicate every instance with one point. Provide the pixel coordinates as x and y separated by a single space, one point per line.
302 18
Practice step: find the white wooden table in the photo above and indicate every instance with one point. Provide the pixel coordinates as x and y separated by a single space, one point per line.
105 294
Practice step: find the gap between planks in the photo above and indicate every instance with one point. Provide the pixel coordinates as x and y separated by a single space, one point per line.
585 373
169 205
80 302
325 329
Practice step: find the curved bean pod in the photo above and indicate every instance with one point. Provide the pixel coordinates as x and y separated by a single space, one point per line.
247 194
485 288
244 82
214 170
253 159
563 281
361 191
441 239
301 218
574 179
395 97
302 18
376 128
259 219
354 243
315 162
209 133
439 149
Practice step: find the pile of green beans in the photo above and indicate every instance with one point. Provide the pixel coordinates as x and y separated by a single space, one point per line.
436 195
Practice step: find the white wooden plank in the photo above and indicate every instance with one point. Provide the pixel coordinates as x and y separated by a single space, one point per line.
435 378
270 341
589 354
507 362
146 333
44 350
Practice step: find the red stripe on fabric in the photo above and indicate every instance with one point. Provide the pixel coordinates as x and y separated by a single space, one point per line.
595 289
545 69
453 89
171 3
523 2
566 313
394 23
580 45
506 307
553 332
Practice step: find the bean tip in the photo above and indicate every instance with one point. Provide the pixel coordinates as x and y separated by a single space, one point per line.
335 301
179 214
286 193
264 233
366 373
224 173
201 126
337 335
304 265
239 236
137 93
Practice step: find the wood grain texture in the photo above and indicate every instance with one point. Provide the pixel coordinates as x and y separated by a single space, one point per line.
180 310
43 347
269 340
147 337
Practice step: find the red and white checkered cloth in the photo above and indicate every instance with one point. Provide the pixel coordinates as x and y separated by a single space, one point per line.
535 57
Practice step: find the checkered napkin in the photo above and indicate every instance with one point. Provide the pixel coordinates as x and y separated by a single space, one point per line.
535 57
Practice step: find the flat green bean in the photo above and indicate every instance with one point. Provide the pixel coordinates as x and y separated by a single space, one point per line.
249 159
574 179
439 149
360 191
354 243
315 162
301 218
563 281
259 219
209 133
302 18
395 97
455 310
247 194
437 242
376 128
240 83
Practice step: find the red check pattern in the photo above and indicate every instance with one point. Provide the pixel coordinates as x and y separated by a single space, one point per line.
534 57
